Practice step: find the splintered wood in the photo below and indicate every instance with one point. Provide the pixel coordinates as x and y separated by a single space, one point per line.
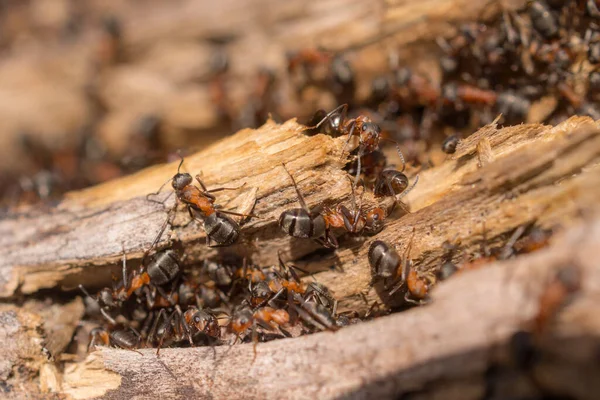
497 181
534 174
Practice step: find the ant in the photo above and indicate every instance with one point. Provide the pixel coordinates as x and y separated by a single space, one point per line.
163 267
368 132
450 143
244 318
124 339
318 308
185 325
565 283
304 223
463 93
393 183
356 220
219 228
386 263
543 19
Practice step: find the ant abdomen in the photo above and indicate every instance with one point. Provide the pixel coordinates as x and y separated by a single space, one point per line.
391 183
221 229
300 223
383 259
163 267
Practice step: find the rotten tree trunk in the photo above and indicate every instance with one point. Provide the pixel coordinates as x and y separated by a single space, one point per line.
443 350
539 174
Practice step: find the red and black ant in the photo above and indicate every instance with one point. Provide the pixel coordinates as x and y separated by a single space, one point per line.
337 123
306 223
244 318
356 219
219 228
124 339
386 263
163 267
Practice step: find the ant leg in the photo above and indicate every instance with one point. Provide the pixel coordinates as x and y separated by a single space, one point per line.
158 235
126 283
186 327
167 330
508 250
371 309
168 297
417 302
350 134
407 191
158 192
144 330
220 189
239 214
347 217
358 167
107 317
396 286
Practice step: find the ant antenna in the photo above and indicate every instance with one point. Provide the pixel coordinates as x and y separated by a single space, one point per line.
102 310
406 191
179 167
399 153
300 197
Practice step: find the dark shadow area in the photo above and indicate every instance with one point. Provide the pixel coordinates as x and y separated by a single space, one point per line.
526 368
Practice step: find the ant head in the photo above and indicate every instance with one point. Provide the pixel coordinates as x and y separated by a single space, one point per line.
370 134
105 297
181 180
200 320
242 319
375 220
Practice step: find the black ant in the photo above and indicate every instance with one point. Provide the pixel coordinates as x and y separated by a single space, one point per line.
219 228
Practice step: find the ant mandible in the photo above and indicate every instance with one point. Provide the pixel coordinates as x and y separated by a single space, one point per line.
219 228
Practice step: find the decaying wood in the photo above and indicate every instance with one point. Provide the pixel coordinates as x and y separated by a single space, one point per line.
454 348
33 337
538 174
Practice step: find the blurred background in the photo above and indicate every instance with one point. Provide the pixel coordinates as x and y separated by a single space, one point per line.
92 90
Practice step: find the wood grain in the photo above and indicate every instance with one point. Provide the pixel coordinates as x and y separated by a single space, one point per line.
539 174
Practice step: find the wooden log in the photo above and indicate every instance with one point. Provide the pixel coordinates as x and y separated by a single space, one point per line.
33 337
539 174
457 347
